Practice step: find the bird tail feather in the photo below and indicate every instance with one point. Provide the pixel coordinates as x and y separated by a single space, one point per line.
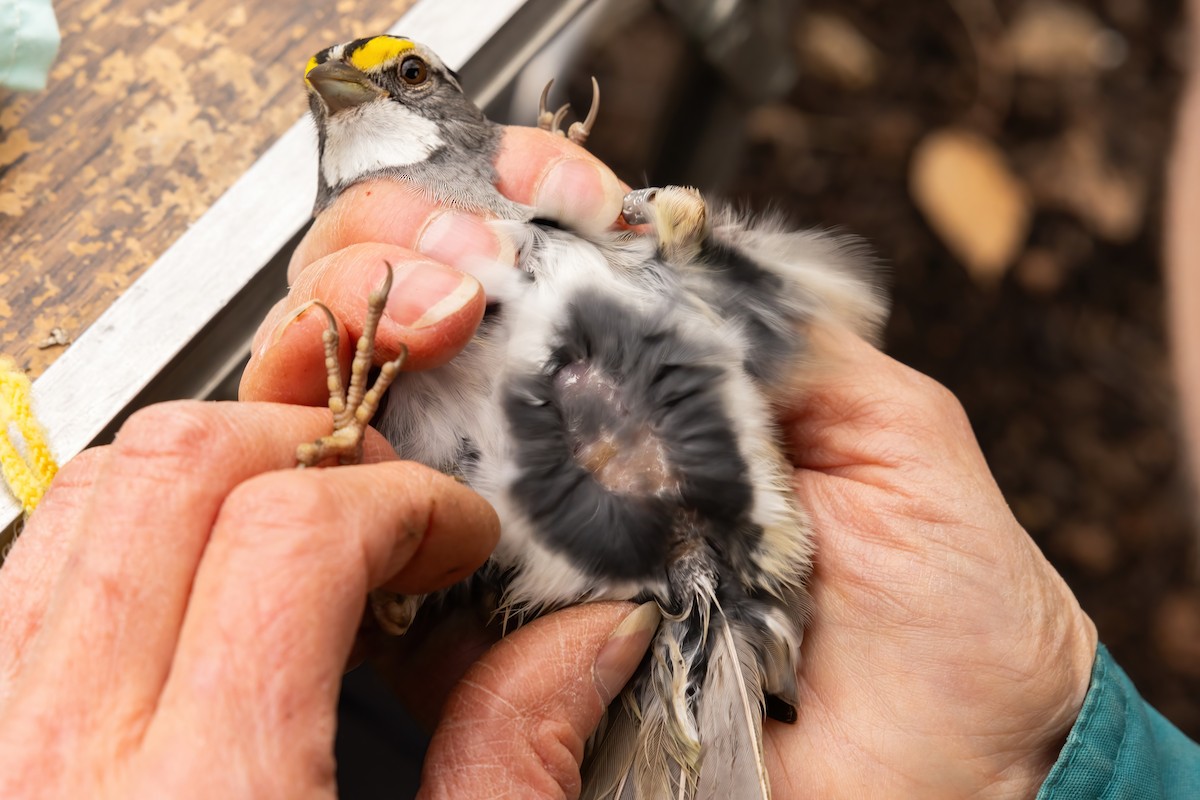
690 724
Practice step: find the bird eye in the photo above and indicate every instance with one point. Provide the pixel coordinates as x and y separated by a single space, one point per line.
413 71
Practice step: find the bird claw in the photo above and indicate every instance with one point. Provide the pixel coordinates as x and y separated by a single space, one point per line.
552 122
352 406
580 131
545 119
556 120
395 612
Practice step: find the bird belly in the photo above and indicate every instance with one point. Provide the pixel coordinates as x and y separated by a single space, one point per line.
613 426
626 435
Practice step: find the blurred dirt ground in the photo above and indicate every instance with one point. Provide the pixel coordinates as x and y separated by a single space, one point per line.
1005 158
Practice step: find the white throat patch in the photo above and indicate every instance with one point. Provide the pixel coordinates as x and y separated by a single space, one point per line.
374 136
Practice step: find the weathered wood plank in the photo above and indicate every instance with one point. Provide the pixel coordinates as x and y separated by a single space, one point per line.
151 113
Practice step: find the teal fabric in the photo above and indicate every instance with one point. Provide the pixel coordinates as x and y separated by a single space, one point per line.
28 43
1122 748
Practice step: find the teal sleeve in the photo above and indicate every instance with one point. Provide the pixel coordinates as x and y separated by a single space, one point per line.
28 43
1120 747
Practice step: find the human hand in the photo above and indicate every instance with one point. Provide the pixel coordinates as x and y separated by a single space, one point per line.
946 657
179 610
433 307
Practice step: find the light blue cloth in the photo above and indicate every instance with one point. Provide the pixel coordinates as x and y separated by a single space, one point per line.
1122 748
28 43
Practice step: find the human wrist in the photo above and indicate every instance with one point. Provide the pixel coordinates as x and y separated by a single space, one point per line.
1020 771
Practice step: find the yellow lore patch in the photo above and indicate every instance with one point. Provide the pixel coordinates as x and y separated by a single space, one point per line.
380 51
312 62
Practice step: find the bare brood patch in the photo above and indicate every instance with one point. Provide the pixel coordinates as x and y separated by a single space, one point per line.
625 455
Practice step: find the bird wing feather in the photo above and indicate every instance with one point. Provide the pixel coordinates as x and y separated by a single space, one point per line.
730 717
609 763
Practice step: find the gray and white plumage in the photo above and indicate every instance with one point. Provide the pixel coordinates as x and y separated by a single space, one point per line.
615 408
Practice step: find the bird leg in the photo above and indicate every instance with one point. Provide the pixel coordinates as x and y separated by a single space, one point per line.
352 407
679 216
352 411
579 131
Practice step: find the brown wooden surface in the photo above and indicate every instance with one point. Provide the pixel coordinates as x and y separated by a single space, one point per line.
151 113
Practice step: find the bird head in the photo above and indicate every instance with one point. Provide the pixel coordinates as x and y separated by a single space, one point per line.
386 105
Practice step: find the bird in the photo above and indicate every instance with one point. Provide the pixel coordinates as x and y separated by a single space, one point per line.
615 407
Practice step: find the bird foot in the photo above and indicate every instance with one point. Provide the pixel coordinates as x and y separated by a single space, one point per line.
354 406
352 409
552 121
395 612
678 214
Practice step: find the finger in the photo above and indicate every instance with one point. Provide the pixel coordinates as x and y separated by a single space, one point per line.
120 602
559 179
423 666
278 599
554 176
432 310
287 357
396 213
517 723
36 560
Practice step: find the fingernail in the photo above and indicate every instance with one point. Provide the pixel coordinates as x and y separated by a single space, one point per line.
459 239
624 650
580 194
284 324
427 293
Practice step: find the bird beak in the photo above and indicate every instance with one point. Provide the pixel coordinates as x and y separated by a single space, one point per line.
341 86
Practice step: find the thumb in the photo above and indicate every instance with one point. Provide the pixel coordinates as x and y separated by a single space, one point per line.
516 725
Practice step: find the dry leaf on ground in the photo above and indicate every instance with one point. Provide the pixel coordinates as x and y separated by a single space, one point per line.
831 47
963 185
1073 174
1062 39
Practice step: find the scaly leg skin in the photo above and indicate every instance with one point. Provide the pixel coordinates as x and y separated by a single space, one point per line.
679 216
352 408
352 411
552 121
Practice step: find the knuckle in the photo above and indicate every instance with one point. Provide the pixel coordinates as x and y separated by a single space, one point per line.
559 750
280 500
75 479
290 516
938 400
328 274
302 284
545 729
933 418
80 469
171 435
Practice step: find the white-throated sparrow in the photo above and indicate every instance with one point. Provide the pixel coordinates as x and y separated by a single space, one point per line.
615 408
